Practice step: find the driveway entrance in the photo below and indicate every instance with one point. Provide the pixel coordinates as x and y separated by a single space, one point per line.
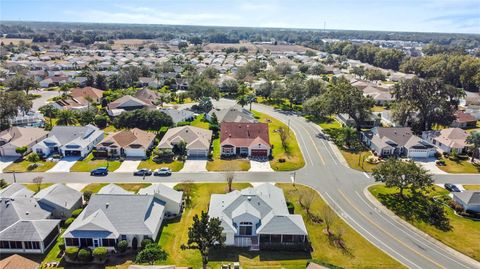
64 165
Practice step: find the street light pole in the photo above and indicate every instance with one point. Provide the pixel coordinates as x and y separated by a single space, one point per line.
14 178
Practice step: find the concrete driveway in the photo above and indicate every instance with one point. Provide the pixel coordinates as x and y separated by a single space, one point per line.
6 161
429 165
128 166
195 165
64 165
260 166
43 99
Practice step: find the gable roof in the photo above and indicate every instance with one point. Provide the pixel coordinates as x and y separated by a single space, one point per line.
80 135
128 138
178 115
233 114
15 190
461 116
22 136
18 262
244 134
468 197
265 202
59 195
146 95
113 189
106 214
127 101
163 192
84 92
194 137
451 137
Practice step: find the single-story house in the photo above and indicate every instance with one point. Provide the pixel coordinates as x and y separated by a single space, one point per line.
233 114
173 200
113 189
179 115
25 226
16 261
397 141
447 139
148 96
31 119
15 190
16 137
59 200
197 140
69 141
109 218
245 139
372 121
464 120
129 143
71 103
381 96
127 103
470 200
87 93
258 218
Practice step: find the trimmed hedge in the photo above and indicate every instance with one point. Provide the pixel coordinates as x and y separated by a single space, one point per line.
77 212
71 252
68 222
84 255
100 253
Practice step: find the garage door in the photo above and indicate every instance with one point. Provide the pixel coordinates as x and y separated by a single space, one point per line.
135 153
73 152
418 154
197 153
259 152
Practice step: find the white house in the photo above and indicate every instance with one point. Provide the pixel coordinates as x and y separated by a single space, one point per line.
128 143
70 141
173 199
470 200
16 137
197 140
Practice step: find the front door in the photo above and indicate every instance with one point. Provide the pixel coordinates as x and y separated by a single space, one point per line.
96 243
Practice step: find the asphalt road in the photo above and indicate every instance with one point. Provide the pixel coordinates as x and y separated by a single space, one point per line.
342 188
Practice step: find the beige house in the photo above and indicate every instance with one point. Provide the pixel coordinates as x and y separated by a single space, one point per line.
447 139
197 140
16 137
127 143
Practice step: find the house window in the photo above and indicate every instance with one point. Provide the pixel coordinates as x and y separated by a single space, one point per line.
4 244
124 237
275 238
32 245
16 244
287 238
86 242
245 228
71 242
108 242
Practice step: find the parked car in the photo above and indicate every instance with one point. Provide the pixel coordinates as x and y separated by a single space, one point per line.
452 188
101 171
164 171
143 172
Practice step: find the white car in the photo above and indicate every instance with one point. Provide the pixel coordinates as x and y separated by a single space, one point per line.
164 171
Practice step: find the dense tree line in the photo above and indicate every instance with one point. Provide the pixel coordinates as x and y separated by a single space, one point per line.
143 119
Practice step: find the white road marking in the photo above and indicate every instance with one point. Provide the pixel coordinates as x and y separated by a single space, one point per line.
366 175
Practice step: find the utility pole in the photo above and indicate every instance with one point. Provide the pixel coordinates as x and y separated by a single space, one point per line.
14 178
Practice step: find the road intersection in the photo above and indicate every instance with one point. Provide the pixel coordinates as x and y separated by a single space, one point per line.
340 186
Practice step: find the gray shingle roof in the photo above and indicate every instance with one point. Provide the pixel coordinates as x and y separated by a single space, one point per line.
80 135
60 195
178 115
233 114
113 189
469 197
115 214
162 191
16 190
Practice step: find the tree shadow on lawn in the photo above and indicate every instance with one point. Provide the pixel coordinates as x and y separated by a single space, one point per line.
232 254
417 207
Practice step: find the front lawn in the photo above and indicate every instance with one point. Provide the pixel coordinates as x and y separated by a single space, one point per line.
377 109
200 122
472 187
464 234
218 164
90 163
328 123
34 187
292 155
133 187
281 104
361 254
462 166
175 166
23 166
358 160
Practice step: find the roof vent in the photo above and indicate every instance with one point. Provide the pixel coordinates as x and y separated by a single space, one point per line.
27 213
249 198
106 205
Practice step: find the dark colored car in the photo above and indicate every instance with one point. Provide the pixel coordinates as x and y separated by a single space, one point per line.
101 171
452 188
143 172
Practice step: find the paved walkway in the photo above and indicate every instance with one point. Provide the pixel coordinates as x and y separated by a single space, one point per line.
430 165
128 166
64 165
194 165
260 166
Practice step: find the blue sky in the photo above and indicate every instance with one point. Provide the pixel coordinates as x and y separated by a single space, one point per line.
460 16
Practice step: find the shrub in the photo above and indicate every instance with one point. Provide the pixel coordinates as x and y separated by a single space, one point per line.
145 242
71 252
77 212
21 150
100 253
101 121
61 246
455 206
32 166
87 195
183 123
291 208
84 255
68 222
151 254
122 246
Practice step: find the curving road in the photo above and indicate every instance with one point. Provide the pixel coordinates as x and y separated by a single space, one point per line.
343 188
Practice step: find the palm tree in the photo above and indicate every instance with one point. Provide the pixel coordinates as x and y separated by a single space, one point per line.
66 117
50 112
348 136
474 140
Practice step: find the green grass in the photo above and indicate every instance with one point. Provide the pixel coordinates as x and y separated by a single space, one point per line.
462 166
463 236
217 164
89 163
329 123
292 155
110 129
22 166
133 187
357 160
175 166
377 109
471 187
282 104
200 122
34 187
362 255
53 254
187 100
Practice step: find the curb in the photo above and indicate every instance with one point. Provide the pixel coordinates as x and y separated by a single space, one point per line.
419 232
